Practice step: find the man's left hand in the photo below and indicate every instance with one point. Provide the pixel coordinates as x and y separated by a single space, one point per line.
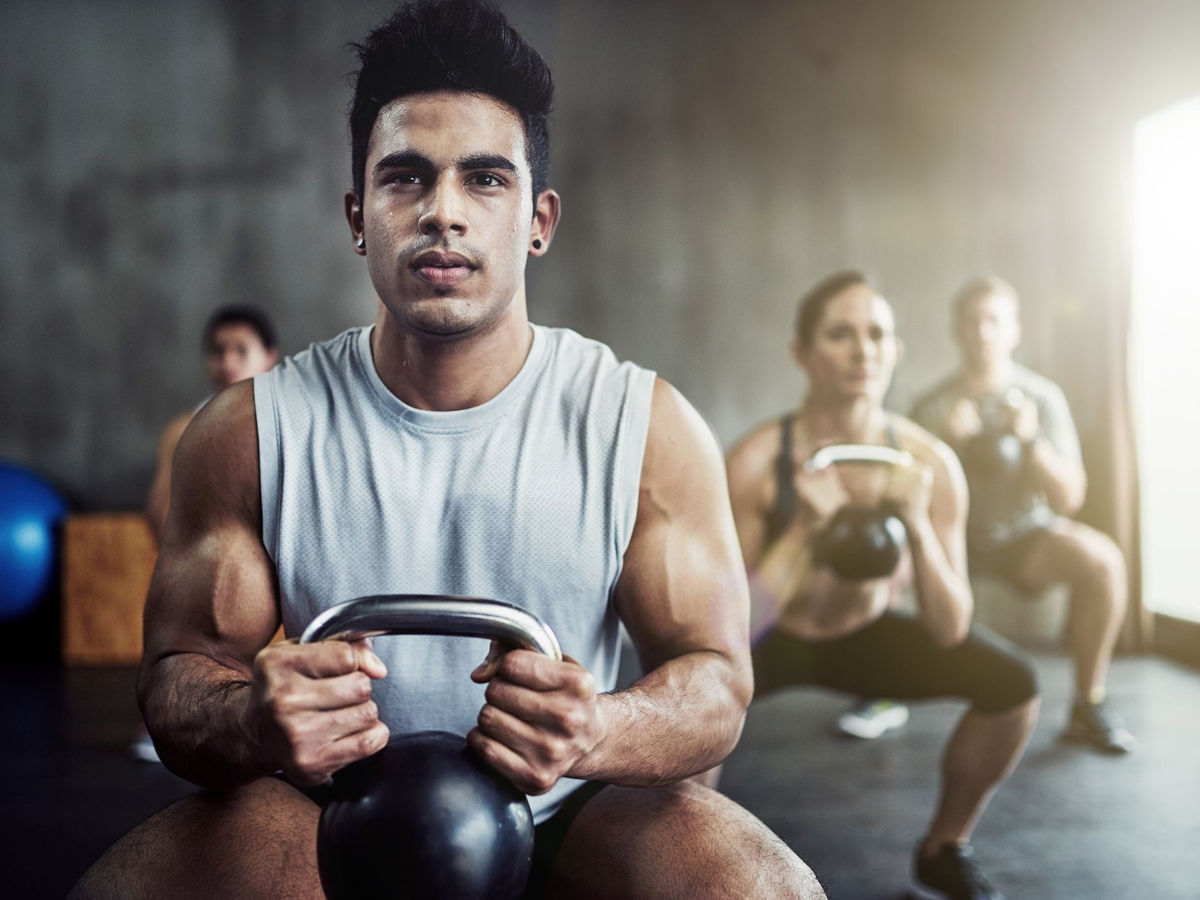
541 717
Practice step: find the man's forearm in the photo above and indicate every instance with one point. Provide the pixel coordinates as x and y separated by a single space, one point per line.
679 719
196 710
1061 479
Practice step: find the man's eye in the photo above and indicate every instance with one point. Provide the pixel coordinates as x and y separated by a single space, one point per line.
486 179
405 178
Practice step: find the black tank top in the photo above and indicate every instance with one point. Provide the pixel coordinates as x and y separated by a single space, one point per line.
784 509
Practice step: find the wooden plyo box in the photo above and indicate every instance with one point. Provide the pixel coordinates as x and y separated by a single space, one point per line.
107 561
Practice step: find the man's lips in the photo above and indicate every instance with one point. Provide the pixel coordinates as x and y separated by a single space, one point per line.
441 268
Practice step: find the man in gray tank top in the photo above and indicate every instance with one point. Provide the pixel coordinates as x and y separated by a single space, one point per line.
591 488
1019 527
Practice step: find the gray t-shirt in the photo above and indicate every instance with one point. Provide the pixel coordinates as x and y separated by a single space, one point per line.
1002 511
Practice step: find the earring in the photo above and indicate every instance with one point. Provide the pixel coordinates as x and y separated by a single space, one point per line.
361 243
537 244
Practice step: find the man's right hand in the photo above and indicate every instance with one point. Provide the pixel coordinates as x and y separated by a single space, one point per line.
311 710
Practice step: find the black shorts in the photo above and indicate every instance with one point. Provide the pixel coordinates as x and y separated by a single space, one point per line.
548 837
895 657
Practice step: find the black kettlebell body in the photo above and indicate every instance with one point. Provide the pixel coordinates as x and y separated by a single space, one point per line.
994 454
424 817
862 541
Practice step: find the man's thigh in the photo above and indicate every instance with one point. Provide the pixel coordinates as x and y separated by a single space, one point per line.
679 840
257 841
1064 551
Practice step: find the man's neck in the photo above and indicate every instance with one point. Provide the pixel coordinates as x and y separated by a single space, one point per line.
987 376
858 421
445 375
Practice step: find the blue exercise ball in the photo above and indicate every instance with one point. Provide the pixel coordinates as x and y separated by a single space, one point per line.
30 513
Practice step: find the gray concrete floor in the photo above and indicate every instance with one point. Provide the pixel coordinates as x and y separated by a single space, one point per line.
1068 825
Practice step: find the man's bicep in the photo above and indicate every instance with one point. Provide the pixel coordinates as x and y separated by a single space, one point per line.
683 587
213 590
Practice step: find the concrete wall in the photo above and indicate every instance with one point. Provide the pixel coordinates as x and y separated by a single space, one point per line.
715 158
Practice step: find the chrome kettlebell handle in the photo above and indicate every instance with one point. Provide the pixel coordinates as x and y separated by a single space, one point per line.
856 453
383 614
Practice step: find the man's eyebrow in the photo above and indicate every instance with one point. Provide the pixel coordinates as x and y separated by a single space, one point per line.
404 159
486 161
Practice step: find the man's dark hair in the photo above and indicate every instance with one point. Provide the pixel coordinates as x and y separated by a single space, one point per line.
458 45
812 304
241 314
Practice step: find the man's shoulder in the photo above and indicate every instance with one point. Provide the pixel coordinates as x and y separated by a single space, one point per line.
312 371
1033 382
322 352
222 435
585 367
570 344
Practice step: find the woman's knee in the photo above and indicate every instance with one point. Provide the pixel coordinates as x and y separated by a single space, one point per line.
1010 682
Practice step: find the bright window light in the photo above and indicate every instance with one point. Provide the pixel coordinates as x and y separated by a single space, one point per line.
1165 353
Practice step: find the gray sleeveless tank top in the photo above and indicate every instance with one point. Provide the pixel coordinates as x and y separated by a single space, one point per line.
530 498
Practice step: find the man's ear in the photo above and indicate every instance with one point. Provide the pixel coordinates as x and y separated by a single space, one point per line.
546 211
354 218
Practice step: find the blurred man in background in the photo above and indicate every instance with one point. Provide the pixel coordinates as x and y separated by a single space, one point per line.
1013 430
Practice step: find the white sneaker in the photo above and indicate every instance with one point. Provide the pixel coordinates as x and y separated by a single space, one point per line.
871 718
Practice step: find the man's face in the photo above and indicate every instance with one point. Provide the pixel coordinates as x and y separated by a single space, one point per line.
854 347
988 329
447 211
236 352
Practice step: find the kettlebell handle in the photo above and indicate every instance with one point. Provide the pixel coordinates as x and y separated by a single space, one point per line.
382 614
856 453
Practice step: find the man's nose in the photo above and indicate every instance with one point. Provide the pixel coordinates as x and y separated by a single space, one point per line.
444 209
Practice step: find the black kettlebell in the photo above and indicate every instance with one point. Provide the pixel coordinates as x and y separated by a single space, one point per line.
425 817
994 454
861 541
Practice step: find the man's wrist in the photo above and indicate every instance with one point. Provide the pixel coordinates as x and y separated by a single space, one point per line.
609 707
